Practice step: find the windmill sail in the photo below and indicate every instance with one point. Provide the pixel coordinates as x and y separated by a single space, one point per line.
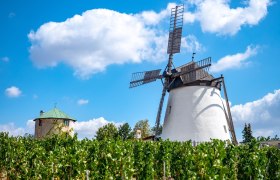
194 70
140 78
175 30
174 44
174 41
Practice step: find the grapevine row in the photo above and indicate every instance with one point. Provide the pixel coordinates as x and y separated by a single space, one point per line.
68 158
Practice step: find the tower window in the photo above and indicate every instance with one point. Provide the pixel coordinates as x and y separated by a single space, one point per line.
169 109
40 122
225 128
66 122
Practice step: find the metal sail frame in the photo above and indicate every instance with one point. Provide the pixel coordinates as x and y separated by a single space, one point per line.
140 78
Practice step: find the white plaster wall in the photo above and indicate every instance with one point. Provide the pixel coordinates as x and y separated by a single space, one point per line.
48 128
197 113
69 128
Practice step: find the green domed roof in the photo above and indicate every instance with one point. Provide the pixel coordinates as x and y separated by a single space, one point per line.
54 113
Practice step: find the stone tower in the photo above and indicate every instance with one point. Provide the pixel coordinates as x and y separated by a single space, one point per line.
53 122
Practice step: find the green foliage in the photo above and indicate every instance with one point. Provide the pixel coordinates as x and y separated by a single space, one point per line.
124 132
144 126
68 158
261 138
109 131
247 133
153 129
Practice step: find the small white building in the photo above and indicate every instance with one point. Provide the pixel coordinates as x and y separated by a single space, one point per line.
53 122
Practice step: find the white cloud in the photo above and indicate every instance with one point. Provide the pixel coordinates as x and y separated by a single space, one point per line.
82 101
30 127
233 61
153 18
85 129
191 44
13 130
216 16
13 92
88 129
263 114
98 38
189 17
264 133
5 59
90 42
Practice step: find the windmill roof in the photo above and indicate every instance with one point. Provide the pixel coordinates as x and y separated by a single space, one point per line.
55 113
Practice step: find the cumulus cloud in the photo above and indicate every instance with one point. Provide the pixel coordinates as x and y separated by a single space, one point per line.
13 92
153 18
191 44
82 101
85 129
88 129
96 39
263 114
233 61
13 130
90 42
265 132
216 16
189 17
30 126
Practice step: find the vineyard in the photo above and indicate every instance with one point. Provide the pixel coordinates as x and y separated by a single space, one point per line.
69 158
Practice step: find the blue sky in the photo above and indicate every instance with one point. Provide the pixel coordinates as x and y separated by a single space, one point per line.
81 54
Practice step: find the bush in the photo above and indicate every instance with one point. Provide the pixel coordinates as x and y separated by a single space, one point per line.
69 158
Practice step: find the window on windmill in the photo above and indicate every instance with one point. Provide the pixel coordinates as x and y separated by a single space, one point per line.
66 122
225 128
40 122
169 109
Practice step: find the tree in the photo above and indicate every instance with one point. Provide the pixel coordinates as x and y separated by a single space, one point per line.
109 131
154 129
124 132
276 138
261 138
247 133
144 127
250 133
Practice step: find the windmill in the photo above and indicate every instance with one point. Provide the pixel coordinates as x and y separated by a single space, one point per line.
195 109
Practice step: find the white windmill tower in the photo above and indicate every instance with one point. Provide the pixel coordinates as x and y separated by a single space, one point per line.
195 109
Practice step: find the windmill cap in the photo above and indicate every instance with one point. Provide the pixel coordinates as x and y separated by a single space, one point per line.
55 113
